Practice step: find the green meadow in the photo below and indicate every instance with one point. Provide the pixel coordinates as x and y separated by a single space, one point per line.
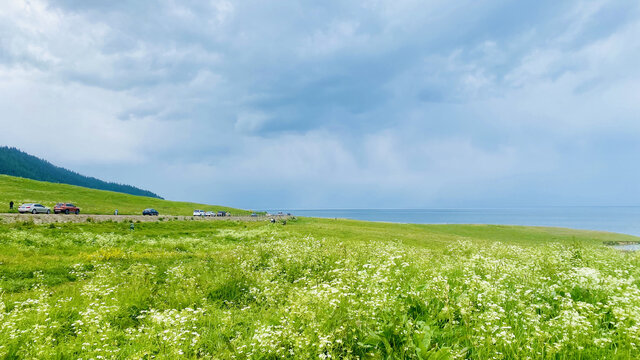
315 289
90 201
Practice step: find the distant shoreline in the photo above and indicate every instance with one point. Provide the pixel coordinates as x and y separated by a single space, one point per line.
618 219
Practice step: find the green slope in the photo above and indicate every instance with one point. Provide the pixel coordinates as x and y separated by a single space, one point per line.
14 162
90 201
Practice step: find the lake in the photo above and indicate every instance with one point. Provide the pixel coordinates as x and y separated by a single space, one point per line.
624 220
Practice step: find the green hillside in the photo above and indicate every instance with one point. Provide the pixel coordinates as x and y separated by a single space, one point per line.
90 201
14 162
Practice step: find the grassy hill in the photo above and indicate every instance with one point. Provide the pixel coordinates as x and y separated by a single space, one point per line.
90 201
14 162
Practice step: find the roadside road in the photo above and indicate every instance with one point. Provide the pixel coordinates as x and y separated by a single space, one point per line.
72 218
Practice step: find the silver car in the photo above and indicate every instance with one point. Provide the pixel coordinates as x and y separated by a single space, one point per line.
34 209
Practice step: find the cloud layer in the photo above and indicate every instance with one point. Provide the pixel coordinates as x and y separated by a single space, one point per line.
331 104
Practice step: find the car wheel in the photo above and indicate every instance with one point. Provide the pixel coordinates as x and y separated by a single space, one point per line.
77 212
66 211
34 211
48 212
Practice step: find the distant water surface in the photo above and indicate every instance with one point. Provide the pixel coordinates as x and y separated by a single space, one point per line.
624 220
628 247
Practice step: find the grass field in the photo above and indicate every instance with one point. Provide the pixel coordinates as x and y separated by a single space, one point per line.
90 201
315 289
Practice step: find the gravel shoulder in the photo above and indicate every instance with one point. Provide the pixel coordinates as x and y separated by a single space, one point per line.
72 218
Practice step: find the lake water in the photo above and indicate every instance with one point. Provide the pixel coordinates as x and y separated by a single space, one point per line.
624 220
629 247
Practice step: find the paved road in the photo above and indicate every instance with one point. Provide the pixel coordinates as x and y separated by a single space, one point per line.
61 218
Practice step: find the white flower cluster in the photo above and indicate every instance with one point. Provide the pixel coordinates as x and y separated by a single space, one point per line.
276 295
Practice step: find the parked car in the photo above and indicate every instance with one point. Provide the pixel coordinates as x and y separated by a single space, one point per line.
222 213
150 212
210 213
34 209
254 215
198 213
66 208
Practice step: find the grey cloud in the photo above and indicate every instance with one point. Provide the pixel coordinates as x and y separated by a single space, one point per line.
409 100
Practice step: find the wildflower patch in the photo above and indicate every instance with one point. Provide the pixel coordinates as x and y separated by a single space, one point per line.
263 292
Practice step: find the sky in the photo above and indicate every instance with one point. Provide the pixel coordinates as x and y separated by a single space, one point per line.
331 104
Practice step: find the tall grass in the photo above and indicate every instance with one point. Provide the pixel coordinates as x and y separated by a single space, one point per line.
263 291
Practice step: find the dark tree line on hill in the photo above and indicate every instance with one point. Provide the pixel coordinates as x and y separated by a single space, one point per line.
18 163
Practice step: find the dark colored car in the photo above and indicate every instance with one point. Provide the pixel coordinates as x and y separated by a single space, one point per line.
222 213
66 208
150 212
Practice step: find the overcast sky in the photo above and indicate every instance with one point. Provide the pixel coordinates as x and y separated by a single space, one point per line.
331 104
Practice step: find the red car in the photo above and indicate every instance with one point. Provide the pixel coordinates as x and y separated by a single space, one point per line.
66 208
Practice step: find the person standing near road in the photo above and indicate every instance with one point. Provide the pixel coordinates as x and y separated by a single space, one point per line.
11 205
